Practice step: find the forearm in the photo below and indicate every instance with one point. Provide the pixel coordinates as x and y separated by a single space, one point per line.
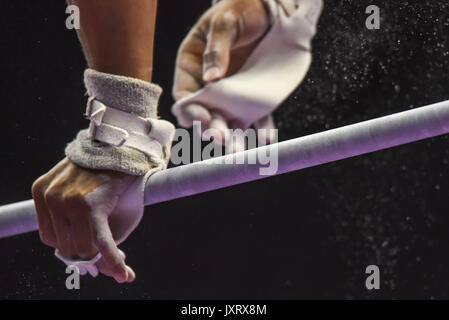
117 36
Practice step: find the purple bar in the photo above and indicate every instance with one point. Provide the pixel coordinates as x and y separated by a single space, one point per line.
324 147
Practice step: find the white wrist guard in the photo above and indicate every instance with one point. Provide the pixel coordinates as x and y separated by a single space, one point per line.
124 135
271 73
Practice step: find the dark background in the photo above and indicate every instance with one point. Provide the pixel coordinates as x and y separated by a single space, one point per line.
308 234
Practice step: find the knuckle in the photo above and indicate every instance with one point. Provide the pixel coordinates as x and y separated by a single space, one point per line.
73 198
187 40
224 21
52 197
38 186
211 56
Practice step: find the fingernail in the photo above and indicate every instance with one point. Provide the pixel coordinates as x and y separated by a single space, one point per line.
212 74
120 279
121 276
131 275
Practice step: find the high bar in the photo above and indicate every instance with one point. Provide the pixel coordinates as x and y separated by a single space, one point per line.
296 154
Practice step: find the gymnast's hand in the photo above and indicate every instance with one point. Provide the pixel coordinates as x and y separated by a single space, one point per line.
77 229
216 47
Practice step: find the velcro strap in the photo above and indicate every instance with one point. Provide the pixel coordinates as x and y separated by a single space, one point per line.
118 128
100 113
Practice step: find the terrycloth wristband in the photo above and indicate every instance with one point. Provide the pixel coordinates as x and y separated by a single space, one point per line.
123 95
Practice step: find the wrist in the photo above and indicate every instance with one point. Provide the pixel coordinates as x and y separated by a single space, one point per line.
124 133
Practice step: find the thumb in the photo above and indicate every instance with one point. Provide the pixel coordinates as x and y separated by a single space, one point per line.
113 261
222 36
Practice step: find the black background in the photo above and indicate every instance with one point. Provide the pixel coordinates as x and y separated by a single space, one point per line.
308 234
